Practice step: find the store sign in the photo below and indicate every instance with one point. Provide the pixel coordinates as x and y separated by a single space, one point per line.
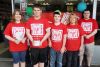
72 0
40 0
17 1
23 5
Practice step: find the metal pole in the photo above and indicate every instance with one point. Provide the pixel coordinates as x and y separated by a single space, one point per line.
12 2
94 9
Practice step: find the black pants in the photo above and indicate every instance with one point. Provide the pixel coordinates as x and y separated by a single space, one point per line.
28 58
72 58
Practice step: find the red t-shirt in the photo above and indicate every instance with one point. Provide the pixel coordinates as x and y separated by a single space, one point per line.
38 30
88 26
74 33
17 31
57 34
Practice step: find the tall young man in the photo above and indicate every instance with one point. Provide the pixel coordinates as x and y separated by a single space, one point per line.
38 31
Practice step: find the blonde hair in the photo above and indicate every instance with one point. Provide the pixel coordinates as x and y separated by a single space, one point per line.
73 15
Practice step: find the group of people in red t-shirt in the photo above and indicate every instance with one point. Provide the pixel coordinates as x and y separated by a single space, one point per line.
75 38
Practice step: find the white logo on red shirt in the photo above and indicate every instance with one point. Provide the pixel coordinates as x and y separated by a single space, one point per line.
57 35
18 32
87 26
37 29
73 33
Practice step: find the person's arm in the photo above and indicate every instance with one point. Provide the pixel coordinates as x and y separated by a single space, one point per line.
64 43
49 40
12 39
82 42
94 31
92 34
46 35
29 35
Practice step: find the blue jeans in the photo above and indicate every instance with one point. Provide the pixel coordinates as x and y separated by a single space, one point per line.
55 57
18 56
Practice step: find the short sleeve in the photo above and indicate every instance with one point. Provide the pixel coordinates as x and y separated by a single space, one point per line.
27 24
81 31
95 24
7 30
47 25
64 29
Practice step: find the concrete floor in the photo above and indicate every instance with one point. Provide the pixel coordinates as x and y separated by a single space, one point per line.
95 61
5 64
9 64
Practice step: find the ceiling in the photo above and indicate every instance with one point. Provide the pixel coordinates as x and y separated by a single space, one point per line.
5 5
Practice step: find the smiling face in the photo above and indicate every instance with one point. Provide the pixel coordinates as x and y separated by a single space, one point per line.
17 16
73 19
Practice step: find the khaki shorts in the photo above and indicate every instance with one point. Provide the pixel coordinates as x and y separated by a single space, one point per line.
87 49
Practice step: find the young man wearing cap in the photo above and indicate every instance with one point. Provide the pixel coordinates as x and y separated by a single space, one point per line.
57 40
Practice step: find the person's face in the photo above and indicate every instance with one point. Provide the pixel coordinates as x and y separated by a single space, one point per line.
17 16
73 19
86 14
37 12
57 17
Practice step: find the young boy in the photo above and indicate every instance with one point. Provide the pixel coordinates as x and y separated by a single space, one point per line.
57 40
38 31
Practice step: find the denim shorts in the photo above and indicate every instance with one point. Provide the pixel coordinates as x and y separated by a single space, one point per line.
18 56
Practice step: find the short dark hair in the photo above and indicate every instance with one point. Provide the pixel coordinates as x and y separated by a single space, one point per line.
37 6
86 10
